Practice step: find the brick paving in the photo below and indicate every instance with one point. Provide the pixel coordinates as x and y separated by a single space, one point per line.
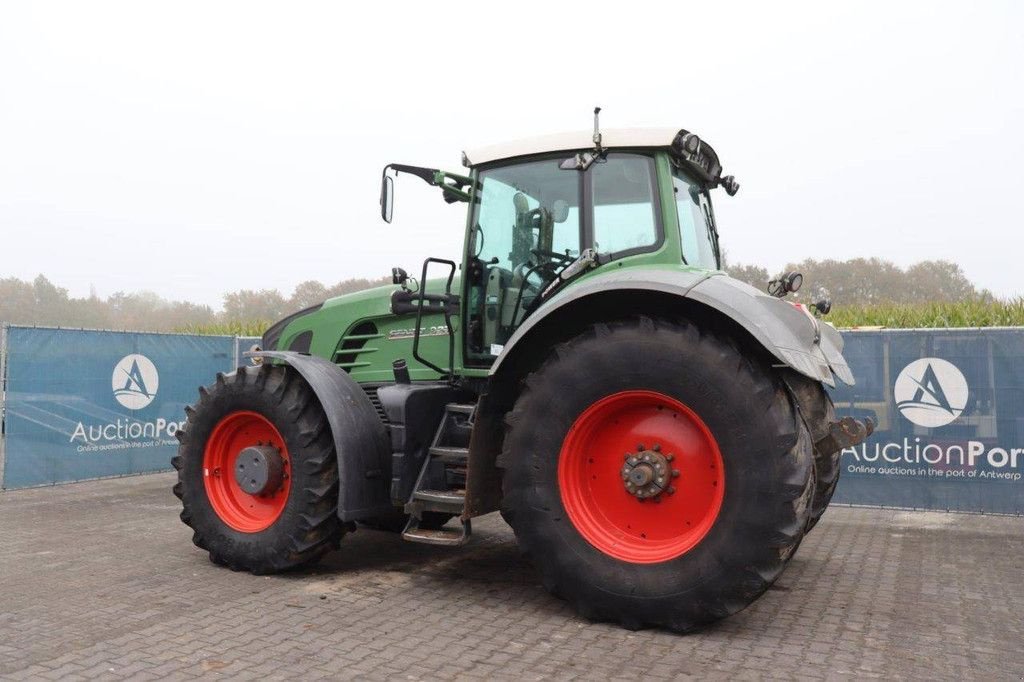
101 580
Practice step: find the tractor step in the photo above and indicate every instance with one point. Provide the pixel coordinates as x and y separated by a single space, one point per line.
441 485
466 409
446 501
450 454
451 537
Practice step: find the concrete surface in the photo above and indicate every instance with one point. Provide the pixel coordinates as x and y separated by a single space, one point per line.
100 579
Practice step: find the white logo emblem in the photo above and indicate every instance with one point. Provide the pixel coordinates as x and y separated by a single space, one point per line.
931 392
135 381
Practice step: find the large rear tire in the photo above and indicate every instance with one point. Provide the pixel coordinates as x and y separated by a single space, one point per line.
818 413
280 512
626 396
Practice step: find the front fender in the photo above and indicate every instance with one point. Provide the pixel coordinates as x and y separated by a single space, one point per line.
799 341
360 439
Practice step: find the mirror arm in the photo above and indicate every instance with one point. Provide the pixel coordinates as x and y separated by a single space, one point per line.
425 174
452 186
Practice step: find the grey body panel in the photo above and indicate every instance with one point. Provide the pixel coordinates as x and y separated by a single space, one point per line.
808 346
360 439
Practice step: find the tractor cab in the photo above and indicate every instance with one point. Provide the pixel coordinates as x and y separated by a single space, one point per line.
547 211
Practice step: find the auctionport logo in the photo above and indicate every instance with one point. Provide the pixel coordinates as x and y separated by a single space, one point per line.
135 381
931 392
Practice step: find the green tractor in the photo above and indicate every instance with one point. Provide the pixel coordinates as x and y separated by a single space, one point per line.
656 433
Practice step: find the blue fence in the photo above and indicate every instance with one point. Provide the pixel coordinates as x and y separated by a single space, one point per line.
949 405
88 404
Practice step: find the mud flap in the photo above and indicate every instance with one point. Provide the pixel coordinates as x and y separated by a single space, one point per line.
360 439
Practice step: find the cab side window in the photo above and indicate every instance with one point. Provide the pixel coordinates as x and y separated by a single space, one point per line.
696 222
624 212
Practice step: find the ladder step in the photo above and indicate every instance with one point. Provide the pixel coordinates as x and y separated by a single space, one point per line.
461 408
450 501
452 454
450 537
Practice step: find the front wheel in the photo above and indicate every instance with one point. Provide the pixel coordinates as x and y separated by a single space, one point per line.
257 473
655 475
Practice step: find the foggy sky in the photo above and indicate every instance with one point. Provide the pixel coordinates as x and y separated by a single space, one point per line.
193 148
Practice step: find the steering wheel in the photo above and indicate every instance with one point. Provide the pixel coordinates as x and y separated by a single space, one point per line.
524 271
563 259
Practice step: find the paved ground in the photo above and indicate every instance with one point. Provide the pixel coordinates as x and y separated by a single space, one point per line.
100 579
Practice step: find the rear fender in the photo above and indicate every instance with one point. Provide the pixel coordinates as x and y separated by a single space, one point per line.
811 347
360 439
797 340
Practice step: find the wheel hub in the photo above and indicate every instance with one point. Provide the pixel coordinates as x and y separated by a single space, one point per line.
639 520
259 469
646 474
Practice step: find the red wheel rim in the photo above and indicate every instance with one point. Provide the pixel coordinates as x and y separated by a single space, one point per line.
235 507
594 494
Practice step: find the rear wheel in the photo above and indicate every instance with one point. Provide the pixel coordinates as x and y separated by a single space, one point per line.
818 413
655 475
257 474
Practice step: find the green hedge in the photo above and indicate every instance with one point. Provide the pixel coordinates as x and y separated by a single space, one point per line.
930 315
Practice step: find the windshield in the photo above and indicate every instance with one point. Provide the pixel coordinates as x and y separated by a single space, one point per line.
526 227
696 222
523 207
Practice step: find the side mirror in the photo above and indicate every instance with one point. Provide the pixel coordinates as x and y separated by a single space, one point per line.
387 198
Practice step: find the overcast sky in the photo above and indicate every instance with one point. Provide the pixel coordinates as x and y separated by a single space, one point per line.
193 148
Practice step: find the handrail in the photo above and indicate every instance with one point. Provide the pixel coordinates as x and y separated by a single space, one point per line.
420 299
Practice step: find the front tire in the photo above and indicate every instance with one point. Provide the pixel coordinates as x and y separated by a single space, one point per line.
591 414
281 512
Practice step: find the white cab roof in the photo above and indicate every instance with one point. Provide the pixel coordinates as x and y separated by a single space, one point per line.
611 138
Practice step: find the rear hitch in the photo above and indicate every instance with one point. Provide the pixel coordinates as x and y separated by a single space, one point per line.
845 433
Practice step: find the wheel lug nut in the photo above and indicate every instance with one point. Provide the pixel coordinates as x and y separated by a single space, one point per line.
656 448
671 489
670 457
640 447
675 473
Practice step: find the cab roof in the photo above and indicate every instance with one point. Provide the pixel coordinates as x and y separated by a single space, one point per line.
572 141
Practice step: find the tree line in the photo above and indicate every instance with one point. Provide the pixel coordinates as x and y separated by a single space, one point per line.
857 281
873 281
41 302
